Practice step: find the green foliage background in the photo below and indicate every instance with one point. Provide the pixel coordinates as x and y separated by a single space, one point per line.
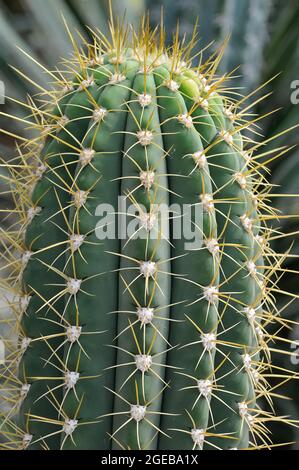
264 42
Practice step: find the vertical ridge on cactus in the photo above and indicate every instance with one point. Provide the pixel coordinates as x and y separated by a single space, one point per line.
141 341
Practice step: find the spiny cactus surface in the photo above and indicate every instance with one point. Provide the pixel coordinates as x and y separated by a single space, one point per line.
139 339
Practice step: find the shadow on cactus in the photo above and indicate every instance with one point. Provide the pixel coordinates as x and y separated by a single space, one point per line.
136 339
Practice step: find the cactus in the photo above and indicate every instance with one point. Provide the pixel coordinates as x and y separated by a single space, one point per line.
141 341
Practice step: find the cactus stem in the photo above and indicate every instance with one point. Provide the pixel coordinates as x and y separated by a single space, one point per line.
137 120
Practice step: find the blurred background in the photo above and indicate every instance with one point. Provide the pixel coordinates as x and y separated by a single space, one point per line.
264 42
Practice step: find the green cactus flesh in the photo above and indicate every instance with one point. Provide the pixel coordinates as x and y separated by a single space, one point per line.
140 342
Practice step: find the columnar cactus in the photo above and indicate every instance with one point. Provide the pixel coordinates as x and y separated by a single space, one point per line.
141 341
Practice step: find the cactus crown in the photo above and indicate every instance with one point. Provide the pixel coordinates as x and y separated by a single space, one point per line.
141 342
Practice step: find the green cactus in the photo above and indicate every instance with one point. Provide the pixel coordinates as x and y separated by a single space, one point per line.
140 341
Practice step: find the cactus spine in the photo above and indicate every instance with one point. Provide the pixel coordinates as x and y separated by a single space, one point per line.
140 342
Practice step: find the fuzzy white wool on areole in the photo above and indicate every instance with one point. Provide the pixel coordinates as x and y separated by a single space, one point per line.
208 341
26 441
76 241
88 82
41 169
147 221
211 293
25 343
61 123
70 426
241 180
24 391
148 268
80 198
99 114
205 387
204 104
24 302
207 203
138 412
73 286
227 137
147 179
186 120
246 222
252 269
243 409
228 113
145 315
250 313
143 362
73 333
86 156
198 437
212 245
32 212
260 334
144 100
145 138
172 85
247 361
25 258
200 159
116 78
71 379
